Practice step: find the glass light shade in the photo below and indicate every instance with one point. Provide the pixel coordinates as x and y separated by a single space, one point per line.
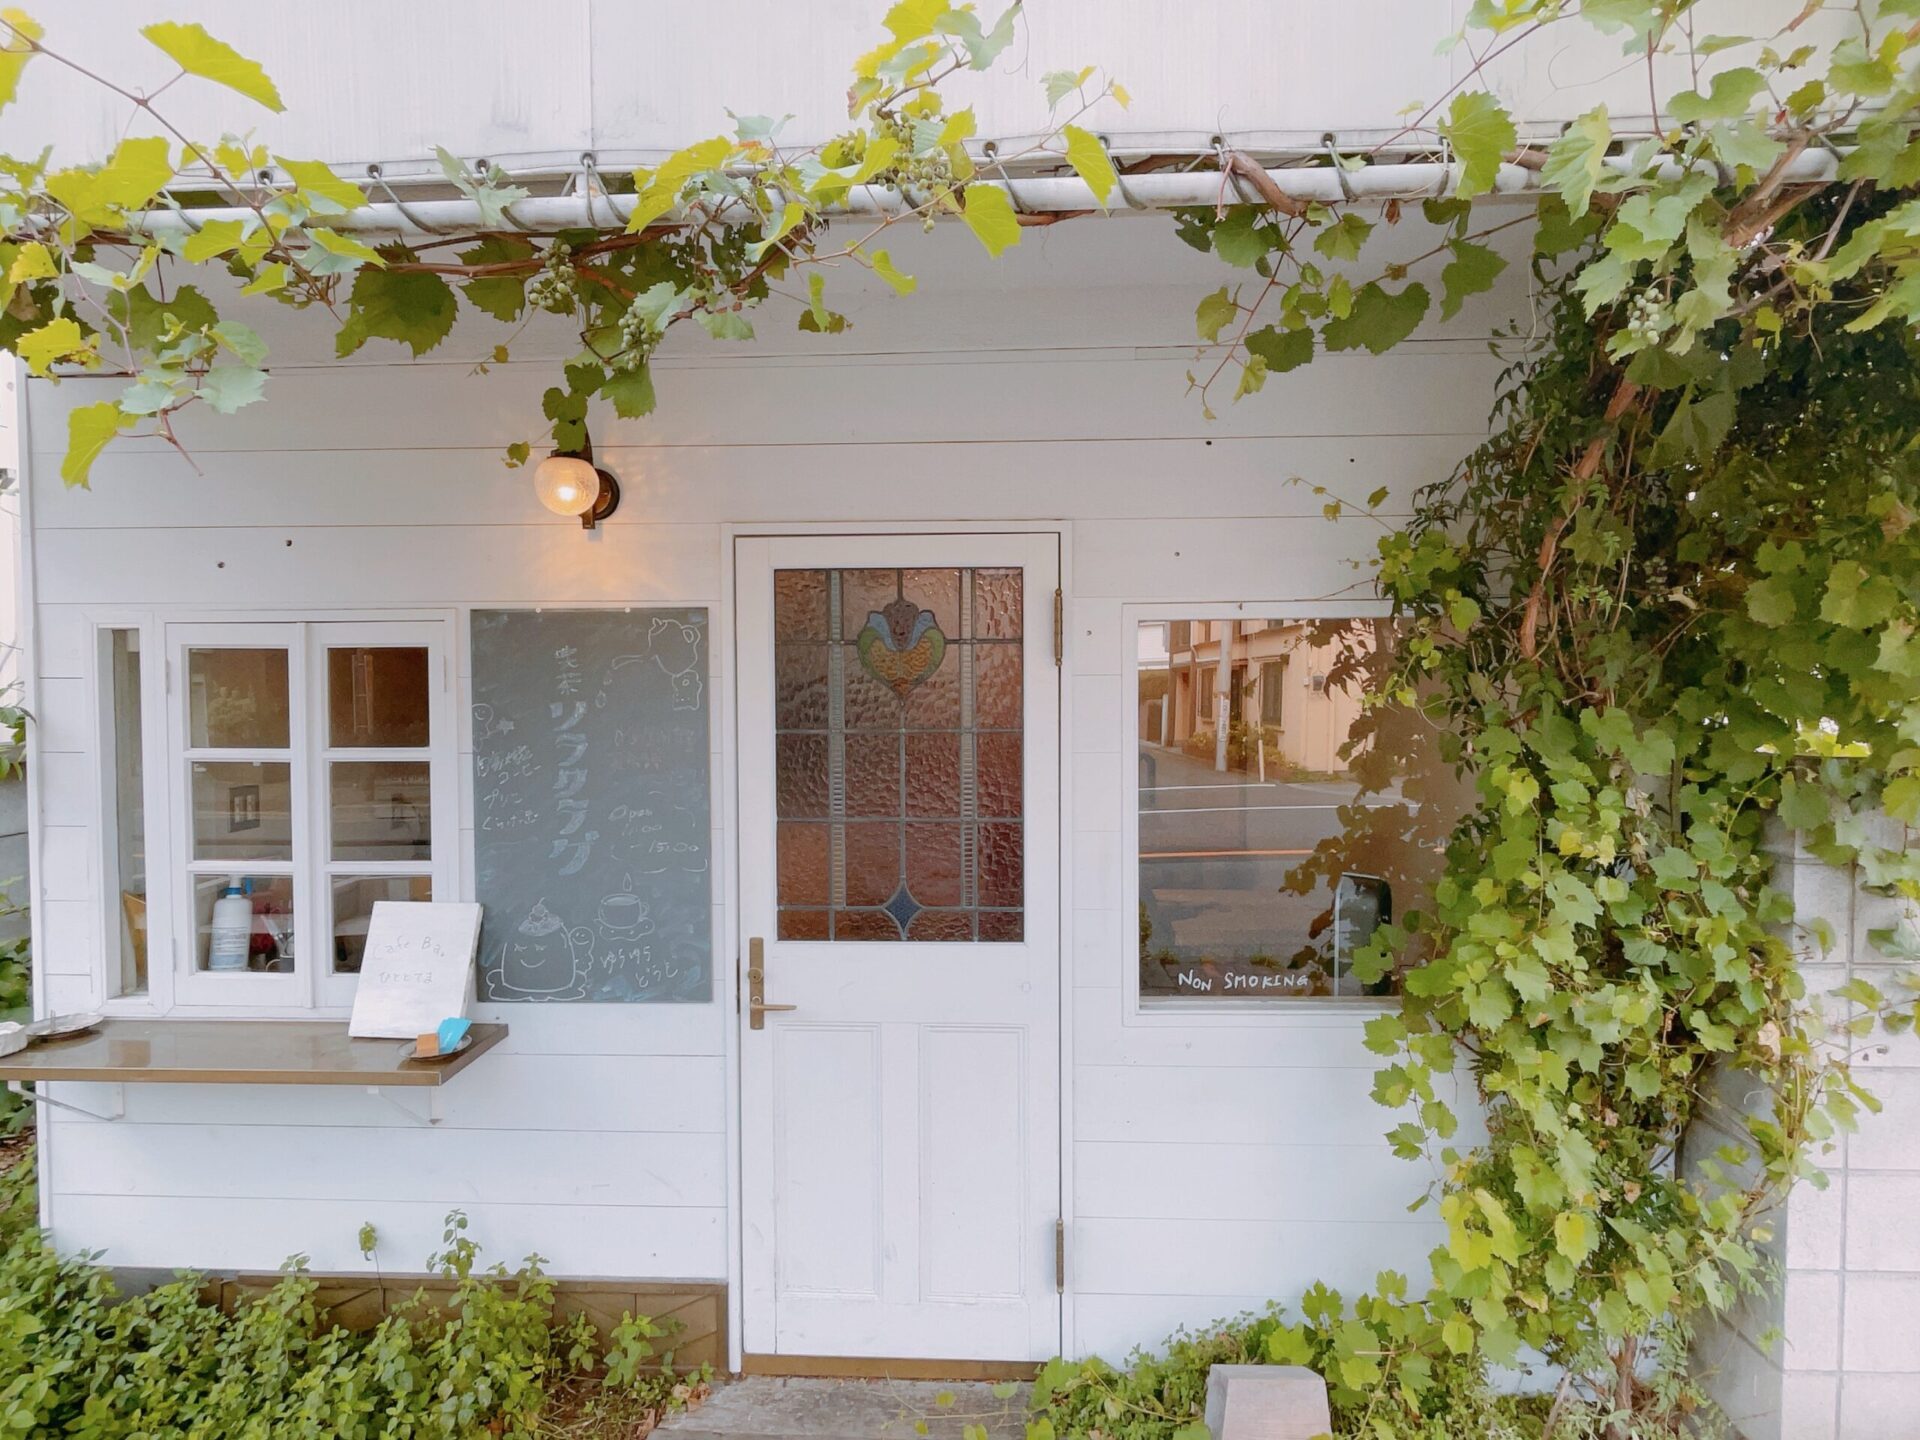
566 484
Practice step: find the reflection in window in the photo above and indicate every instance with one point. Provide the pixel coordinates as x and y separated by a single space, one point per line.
377 696
381 809
1281 821
354 897
238 699
123 793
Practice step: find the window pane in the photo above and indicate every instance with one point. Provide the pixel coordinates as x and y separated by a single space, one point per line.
381 809
1273 844
238 699
122 779
377 696
354 897
243 923
899 781
242 810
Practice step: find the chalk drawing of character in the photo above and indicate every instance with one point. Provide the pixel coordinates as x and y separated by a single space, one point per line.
676 650
543 959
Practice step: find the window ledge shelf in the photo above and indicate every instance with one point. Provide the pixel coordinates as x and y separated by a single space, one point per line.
238 1052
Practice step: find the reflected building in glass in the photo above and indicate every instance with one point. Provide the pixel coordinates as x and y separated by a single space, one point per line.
1281 820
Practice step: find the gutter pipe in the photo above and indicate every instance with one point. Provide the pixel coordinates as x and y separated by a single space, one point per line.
1034 195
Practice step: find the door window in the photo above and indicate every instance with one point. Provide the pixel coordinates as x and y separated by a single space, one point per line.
899 792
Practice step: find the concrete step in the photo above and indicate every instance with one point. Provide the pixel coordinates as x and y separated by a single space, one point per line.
761 1407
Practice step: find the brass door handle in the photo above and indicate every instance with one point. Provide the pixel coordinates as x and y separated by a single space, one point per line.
757 1006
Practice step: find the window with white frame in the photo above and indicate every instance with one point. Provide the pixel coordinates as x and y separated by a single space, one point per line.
311 775
1266 856
123 803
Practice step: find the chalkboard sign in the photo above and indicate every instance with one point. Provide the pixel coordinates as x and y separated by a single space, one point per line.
592 811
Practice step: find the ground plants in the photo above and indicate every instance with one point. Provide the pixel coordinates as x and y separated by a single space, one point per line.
77 1358
1667 614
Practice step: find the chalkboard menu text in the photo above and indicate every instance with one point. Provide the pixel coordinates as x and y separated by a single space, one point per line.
592 807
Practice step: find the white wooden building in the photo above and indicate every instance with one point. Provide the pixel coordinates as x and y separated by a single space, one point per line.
1035 1138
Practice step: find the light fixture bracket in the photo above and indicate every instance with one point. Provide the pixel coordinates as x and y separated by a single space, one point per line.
605 503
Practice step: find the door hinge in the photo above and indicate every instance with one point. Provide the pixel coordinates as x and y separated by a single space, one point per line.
1060 1256
1059 627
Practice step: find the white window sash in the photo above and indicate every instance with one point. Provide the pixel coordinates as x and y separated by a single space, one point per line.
174 977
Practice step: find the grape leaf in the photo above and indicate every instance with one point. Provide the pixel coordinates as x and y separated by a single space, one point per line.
1577 159
1282 350
1239 239
132 176
1727 98
990 215
15 53
228 387
1771 602
198 53
1342 239
1481 132
630 392
502 296
413 308
349 254
89 429
1380 319
317 179
1472 271
884 267
52 342
1213 312
1090 162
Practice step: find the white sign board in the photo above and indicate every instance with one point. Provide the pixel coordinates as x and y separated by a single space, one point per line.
417 969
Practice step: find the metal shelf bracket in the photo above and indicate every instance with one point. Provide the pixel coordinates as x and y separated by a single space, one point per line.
432 1115
119 1111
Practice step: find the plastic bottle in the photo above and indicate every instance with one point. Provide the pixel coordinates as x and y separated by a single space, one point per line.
232 929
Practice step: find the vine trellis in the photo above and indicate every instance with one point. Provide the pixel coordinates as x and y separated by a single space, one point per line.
1670 609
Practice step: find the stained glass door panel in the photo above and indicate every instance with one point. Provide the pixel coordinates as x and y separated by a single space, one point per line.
899 797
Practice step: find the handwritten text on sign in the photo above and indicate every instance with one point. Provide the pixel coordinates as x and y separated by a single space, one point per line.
418 968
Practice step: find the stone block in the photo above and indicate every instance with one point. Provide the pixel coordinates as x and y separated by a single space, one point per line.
1267 1402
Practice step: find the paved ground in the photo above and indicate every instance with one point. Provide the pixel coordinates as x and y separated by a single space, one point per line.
767 1408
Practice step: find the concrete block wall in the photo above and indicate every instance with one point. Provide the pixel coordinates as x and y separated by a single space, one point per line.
1833 1351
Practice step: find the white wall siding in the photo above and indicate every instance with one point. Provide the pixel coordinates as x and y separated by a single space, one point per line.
635 80
1211 1166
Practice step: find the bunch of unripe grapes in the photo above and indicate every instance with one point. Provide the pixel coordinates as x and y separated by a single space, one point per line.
927 174
637 341
553 289
1647 317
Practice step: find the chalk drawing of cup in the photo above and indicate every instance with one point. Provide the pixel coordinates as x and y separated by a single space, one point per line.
625 916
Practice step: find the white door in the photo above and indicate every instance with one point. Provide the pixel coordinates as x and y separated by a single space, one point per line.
899 749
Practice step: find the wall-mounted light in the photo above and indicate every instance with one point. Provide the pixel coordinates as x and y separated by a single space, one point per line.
568 483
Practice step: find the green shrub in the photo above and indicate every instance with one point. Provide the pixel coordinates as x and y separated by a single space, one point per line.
78 1359
1396 1369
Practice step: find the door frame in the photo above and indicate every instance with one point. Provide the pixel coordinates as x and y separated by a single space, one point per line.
727 994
